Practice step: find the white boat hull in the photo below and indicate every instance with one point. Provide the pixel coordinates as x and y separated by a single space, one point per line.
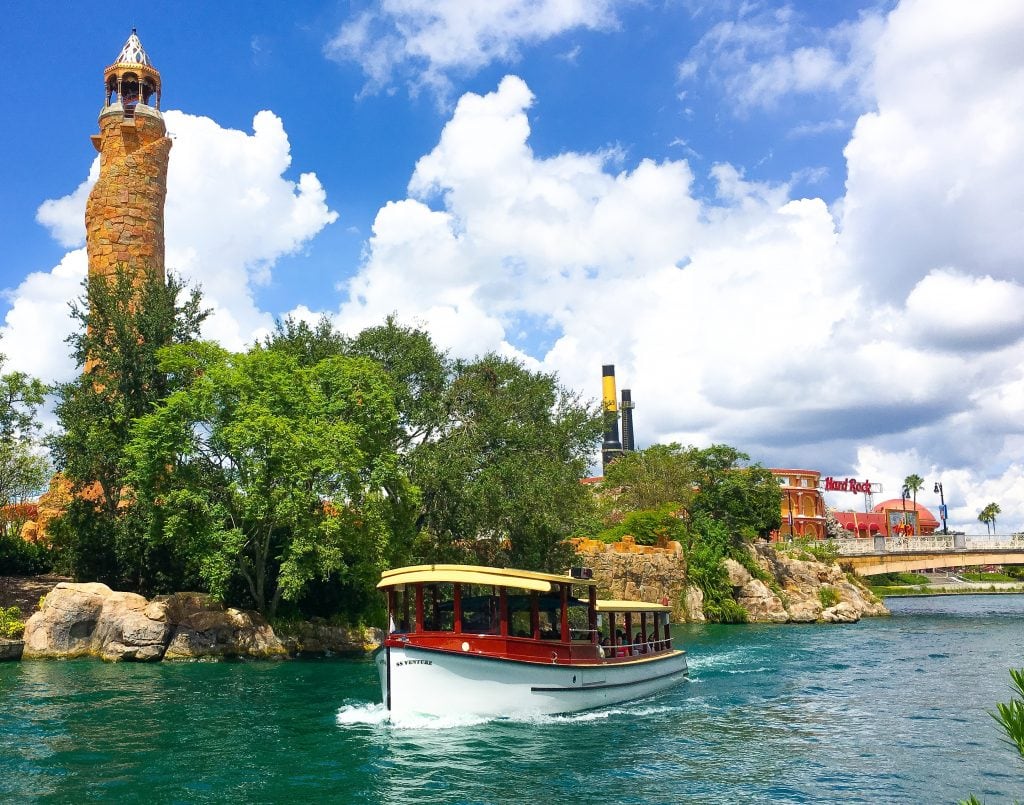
416 681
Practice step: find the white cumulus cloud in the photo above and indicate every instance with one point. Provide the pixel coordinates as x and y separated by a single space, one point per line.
809 335
422 41
230 214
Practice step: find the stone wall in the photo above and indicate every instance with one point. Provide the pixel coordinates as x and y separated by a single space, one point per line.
124 217
625 570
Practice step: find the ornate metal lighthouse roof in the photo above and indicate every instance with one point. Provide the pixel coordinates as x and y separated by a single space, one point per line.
132 52
134 59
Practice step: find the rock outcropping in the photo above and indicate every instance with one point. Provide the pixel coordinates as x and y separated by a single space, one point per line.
92 620
640 573
790 591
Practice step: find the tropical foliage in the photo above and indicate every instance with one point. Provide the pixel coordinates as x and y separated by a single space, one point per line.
1010 715
988 516
911 484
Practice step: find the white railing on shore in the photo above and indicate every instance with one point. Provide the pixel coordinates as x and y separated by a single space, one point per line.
931 542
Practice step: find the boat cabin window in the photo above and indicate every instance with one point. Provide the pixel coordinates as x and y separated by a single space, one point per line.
579 621
480 607
519 615
402 603
438 607
550 616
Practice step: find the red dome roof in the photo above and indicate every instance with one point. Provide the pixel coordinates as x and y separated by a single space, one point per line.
924 516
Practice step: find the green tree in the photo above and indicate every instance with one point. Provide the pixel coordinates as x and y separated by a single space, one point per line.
651 478
307 345
262 469
988 516
23 469
420 373
912 483
500 474
745 497
123 322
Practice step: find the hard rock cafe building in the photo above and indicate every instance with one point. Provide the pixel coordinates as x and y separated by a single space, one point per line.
803 508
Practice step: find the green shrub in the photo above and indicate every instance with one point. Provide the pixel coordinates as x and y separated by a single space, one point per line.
11 624
648 526
706 547
806 549
988 577
19 557
1011 714
897 579
829 596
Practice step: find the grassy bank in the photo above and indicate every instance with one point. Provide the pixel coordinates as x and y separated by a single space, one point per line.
959 589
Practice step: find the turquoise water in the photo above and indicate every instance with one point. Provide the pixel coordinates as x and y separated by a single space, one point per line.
885 711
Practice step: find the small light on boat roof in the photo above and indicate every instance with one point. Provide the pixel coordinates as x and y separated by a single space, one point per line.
581 572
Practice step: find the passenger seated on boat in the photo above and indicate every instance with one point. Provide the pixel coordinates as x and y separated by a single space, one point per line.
639 647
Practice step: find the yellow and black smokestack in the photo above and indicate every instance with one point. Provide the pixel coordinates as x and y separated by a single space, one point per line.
612 447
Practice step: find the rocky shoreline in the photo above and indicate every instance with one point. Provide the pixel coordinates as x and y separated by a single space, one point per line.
789 590
91 620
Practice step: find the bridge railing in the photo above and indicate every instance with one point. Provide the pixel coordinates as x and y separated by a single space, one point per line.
930 542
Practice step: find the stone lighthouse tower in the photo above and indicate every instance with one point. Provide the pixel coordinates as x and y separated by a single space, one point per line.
124 218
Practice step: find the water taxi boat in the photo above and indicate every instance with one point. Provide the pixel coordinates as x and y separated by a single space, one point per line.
491 641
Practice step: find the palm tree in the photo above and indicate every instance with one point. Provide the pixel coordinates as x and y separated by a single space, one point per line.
988 516
912 483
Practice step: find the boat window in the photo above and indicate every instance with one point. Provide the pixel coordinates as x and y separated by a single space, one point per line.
579 620
404 607
550 611
479 609
519 615
439 608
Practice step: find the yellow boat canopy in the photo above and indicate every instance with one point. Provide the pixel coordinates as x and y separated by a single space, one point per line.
606 605
472 574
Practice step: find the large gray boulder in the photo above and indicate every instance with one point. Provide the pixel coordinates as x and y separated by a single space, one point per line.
210 632
65 625
762 605
322 638
92 620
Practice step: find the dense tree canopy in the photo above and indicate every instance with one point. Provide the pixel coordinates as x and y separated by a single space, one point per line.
500 475
124 321
270 470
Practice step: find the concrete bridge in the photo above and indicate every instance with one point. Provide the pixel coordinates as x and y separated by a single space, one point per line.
871 557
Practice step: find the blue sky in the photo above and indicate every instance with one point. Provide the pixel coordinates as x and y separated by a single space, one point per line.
803 219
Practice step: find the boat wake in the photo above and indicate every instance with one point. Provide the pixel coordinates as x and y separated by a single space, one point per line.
367 714
375 715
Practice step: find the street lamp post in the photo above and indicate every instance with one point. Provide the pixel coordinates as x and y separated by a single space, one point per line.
942 506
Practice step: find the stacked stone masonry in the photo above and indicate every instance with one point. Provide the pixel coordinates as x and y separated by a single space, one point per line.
124 217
